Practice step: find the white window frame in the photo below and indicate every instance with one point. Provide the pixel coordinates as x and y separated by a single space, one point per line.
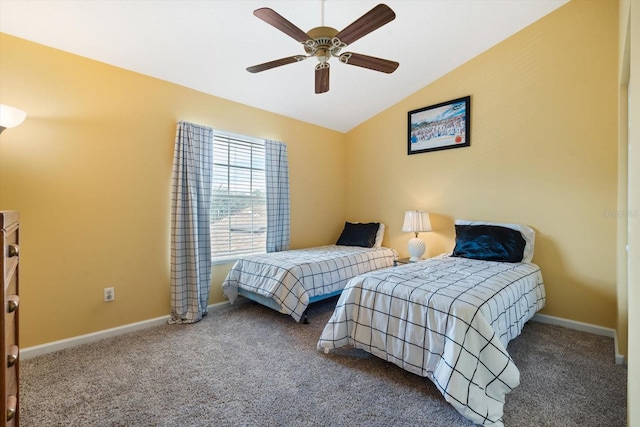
255 237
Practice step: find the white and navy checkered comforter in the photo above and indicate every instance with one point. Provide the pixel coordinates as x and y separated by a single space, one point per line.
292 277
448 319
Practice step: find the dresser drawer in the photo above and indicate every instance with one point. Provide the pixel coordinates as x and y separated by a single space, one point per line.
11 416
11 285
11 241
11 235
9 319
10 257
11 381
9 329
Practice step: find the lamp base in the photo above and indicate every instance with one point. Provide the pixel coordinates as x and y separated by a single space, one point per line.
416 249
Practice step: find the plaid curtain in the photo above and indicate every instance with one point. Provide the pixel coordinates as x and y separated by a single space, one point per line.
190 235
277 177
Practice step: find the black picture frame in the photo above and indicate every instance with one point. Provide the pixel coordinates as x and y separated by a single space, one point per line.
440 127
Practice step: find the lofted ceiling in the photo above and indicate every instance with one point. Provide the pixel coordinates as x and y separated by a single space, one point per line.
208 44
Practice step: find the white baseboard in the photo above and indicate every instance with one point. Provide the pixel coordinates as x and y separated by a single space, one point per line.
584 327
38 350
29 352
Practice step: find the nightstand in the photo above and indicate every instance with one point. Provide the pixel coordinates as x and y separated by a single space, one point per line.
401 261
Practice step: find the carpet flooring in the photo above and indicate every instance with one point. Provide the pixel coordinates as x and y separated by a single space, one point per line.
246 365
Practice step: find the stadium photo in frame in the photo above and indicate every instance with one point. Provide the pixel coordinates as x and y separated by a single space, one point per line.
440 126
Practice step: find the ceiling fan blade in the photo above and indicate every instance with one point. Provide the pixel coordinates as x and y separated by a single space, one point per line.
370 21
322 79
370 62
273 64
273 18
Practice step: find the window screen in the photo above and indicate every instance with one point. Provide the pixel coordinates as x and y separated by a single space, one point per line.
239 208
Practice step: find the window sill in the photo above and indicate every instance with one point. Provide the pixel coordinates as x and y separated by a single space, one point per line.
232 260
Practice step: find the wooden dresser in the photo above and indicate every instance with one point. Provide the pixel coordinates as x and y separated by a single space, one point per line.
9 350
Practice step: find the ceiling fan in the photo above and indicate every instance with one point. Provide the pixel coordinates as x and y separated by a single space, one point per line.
325 42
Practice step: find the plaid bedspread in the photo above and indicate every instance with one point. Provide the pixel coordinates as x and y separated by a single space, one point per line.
292 277
448 319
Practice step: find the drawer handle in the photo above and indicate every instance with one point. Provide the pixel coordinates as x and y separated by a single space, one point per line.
12 357
12 407
13 250
12 303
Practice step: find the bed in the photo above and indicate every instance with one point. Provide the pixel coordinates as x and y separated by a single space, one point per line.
288 281
449 318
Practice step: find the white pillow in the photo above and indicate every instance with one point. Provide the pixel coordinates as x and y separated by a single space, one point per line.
379 236
528 234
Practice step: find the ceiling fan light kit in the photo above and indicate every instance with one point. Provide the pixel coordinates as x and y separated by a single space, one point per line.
326 42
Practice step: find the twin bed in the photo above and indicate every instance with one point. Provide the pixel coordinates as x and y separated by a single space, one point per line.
449 318
289 281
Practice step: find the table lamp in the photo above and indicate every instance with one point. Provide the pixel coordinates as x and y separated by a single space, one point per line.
416 222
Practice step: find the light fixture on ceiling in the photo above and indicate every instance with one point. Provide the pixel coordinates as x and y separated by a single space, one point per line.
325 42
10 117
416 222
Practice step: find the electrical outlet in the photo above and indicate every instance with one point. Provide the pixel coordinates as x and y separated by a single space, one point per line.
109 294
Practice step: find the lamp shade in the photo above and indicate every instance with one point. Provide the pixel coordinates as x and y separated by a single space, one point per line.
416 221
10 117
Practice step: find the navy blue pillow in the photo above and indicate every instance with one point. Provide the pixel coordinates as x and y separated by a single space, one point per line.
359 234
489 243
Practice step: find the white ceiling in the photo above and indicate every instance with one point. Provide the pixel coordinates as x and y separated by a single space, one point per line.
207 44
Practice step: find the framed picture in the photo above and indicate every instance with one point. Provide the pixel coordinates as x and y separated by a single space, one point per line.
440 127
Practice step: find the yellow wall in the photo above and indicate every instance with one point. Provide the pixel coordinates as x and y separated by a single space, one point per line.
90 172
543 153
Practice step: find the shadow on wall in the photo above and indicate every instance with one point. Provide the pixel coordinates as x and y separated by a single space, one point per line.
443 237
588 299
570 295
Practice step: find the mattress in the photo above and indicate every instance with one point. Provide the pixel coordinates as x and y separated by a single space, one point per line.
448 319
292 279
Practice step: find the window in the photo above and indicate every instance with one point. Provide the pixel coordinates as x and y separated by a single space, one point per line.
239 207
